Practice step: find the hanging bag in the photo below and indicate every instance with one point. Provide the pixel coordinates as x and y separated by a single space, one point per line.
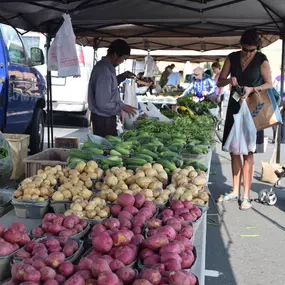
242 137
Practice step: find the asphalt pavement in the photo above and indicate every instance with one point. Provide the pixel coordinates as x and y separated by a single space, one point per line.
243 247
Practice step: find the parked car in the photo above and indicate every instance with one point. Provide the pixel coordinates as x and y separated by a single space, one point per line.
22 88
69 95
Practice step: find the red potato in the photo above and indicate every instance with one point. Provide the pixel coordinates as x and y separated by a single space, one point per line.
188 205
77 220
55 249
137 230
102 242
175 223
172 264
116 264
126 215
107 278
138 221
197 211
47 273
68 250
79 228
76 279
29 283
24 240
83 223
28 261
125 224
186 231
126 274
188 217
66 269
153 223
167 213
55 229
145 253
12 236
122 237
90 282
139 200
151 260
51 282
55 259
23 254
93 255
152 275
68 223
191 278
19 270
167 231
150 205
38 264
59 278
6 248
115 210
177 277
52 242
187 260
180 211
17 226
159 266
170 255
176 204
131 209
125 200
58 220
48 235
151 232
98 228
173 247
1 239
30 245
49 217
32 275
137 239
85 274
125 254
99 266
108 258
66 233
155 242
181 220
45 226
141 282
111 223
186 242
84 264
145 213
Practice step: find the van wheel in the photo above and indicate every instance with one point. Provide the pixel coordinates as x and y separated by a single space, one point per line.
37 132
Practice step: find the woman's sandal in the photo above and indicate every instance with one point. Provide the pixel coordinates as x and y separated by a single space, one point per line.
245 204
228 197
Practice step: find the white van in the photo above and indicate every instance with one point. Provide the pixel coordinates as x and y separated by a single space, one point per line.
68 94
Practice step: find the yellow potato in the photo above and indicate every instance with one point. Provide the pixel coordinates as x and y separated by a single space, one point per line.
103 214
27 197
35 197
57 196
76 207
86 194
88 183
67 194
112 197
91 214
89 207
41 199
18 193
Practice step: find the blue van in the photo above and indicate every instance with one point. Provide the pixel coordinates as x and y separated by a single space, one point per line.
22 89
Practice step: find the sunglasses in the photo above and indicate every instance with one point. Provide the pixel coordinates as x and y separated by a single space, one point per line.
248 50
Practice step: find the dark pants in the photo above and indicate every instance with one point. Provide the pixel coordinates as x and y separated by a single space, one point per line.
104 126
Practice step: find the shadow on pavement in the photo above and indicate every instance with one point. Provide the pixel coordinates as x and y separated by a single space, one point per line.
217 256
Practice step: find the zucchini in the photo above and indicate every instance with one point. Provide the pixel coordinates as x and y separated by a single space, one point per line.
146 157
79 153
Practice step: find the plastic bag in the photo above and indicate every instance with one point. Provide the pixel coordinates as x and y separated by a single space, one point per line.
242 137
62 55
150 67
130 99
6 162
151 111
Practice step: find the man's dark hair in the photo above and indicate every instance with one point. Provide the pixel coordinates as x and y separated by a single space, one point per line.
120 47
172 65
250 37
216 64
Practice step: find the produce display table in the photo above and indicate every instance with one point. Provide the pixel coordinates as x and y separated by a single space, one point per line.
11 217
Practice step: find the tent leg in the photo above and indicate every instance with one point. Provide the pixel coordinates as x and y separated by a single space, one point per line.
281 127
48 93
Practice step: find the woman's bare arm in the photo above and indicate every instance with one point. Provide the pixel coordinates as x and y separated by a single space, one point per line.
266 75
223 78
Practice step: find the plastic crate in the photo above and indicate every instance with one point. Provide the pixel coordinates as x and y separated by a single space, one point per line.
30 209
19 145
50 157
5 266
60 207
67 143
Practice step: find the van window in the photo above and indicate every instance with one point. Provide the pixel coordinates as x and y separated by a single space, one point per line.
30 42
14 44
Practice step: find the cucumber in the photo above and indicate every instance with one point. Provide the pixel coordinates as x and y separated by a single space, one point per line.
148 152
93 150
122 150
115 152
134 161
167 164
146 157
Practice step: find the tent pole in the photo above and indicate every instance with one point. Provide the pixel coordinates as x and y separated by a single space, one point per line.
281 127
48 93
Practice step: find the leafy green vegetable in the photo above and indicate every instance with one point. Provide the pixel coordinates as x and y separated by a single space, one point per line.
3 153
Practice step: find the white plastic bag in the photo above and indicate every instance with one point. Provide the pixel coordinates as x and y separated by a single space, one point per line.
151 111
62 55
130 98
150 67
242 137
6 161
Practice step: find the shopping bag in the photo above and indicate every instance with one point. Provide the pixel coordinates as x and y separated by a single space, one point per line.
151 111
130 98
62 55
264 109
242 137
268 168
150 67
